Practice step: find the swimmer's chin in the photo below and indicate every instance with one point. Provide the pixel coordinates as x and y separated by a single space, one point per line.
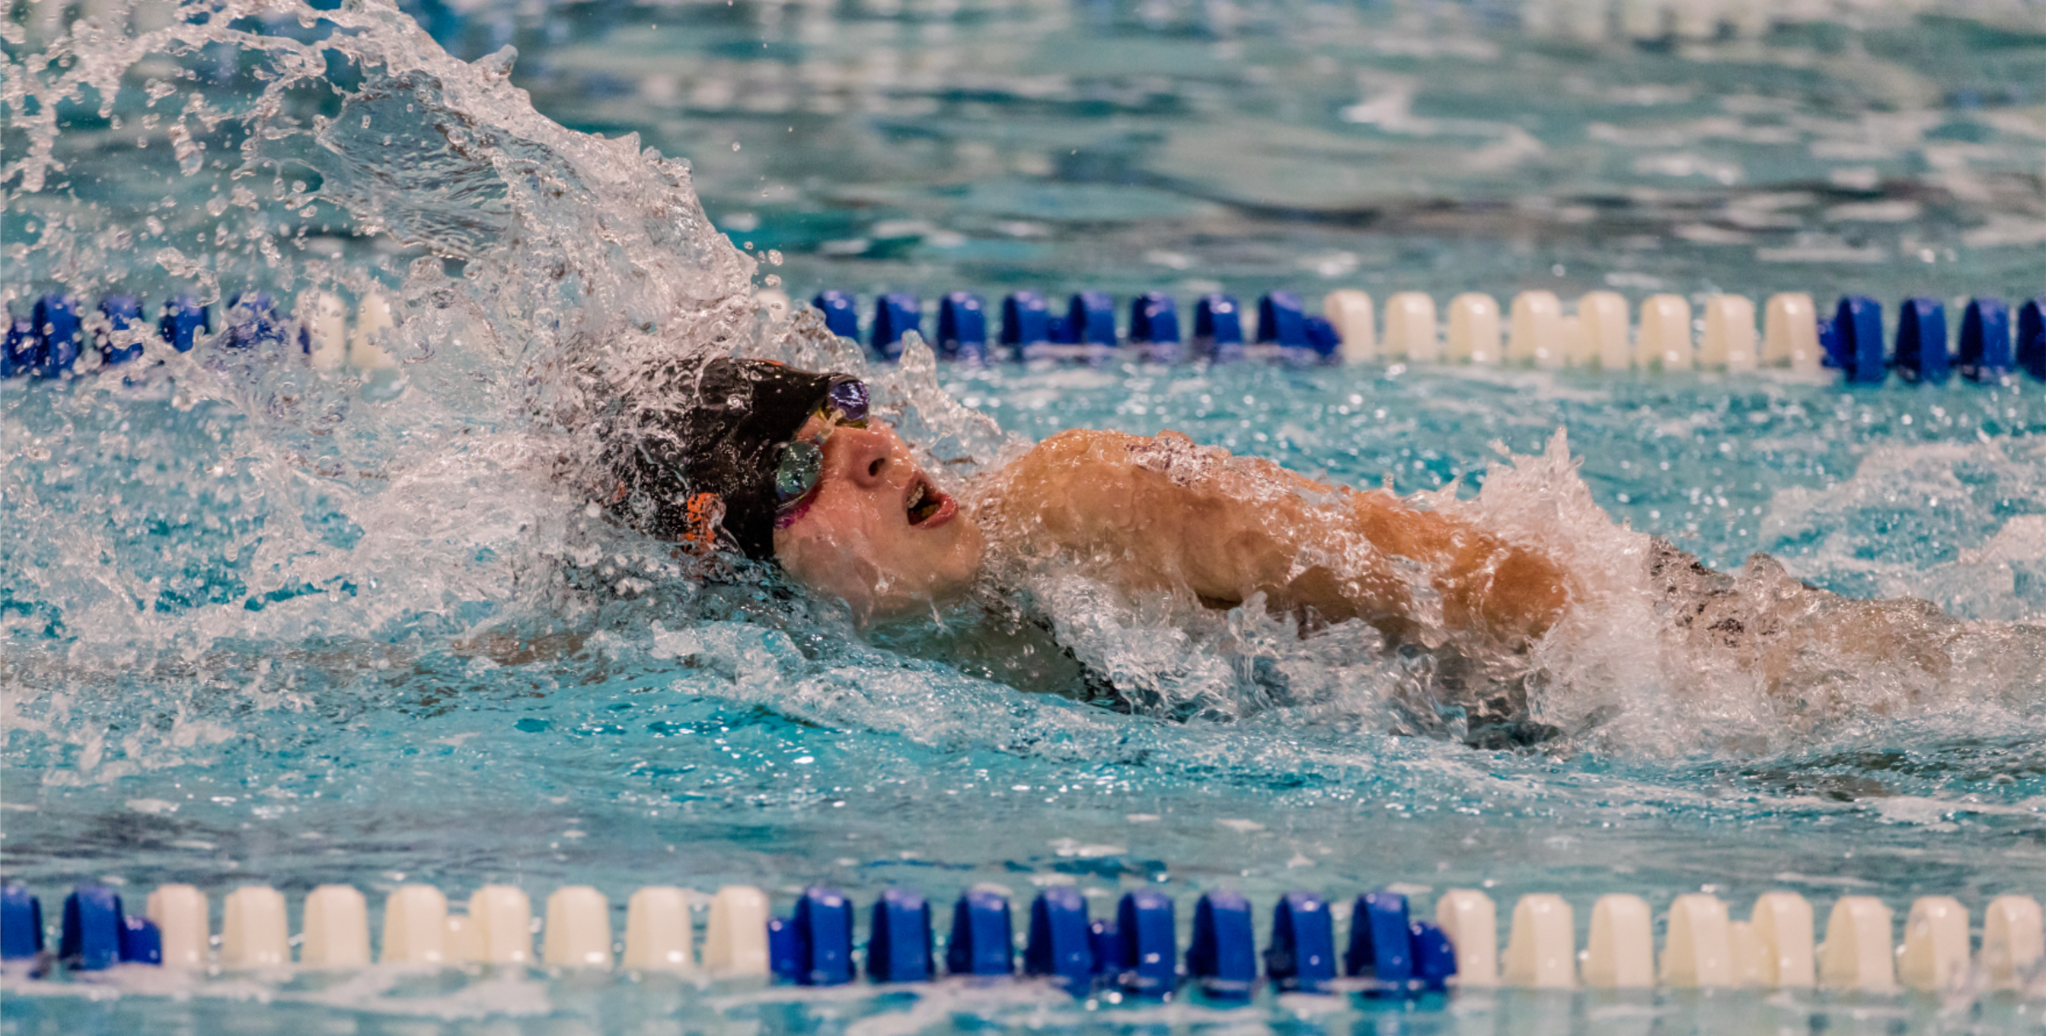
883 582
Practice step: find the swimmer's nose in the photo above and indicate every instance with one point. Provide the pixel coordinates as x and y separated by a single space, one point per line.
868 460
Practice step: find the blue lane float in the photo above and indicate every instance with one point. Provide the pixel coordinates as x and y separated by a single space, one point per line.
50 342
91 938
1218 328
1381 942
895 315
1154 326
781 948
1282 320
1090 319
21 924
60 334
1223 957
1061 947
1026 322
899 943
123 312
252 322
184 319
1434 957
1399 956
1985 341
1324 342
1302 954
1856 343
982 943
841 313
1105 942
962 328
813 947
1148 964
141 942
2031 352
20 354
1922 341
824 938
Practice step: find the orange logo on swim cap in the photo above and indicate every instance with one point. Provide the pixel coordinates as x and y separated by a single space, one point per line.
704 513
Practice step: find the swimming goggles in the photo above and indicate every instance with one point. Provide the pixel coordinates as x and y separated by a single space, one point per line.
801 461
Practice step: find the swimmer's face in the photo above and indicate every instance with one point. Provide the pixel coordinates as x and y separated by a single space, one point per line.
877 532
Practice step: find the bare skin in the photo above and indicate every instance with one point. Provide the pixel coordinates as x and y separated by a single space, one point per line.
1151 515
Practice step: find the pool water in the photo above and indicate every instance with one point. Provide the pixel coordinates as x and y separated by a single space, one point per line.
265 622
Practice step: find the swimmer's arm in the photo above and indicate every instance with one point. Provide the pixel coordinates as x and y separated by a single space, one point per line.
1235 527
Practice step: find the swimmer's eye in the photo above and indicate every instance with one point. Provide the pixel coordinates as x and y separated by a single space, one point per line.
801 462
796 473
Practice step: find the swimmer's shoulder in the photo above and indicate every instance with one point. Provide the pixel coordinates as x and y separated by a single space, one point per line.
1078 448
1082 445
1088 487
1071 459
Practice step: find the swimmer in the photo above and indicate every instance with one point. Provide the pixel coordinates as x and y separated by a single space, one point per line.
1088 564
787 466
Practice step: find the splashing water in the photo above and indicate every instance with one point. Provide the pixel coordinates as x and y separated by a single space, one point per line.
235 501
336 152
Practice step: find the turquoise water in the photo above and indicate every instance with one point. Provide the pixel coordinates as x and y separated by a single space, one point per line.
269 623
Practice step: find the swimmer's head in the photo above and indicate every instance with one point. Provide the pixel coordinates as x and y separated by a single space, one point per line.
786 465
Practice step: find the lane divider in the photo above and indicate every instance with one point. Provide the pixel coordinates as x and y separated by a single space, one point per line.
1388 952
1538 329
50 342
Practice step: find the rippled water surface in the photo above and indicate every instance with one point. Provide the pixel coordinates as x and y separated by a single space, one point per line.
1442 148
260 622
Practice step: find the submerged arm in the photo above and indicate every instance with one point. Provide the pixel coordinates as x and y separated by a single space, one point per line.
1154 513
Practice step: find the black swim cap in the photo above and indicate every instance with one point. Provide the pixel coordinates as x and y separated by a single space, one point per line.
700 451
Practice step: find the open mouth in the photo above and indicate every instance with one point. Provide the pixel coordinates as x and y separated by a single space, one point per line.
926 505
